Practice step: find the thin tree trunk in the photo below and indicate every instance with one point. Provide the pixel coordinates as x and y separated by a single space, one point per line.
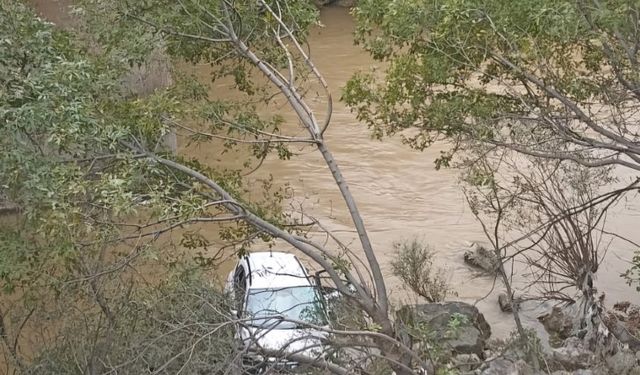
516 315
311 124
381 289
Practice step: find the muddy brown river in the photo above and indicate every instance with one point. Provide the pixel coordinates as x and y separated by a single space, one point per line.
402 196
399 192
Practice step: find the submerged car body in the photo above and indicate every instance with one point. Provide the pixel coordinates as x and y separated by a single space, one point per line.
276 302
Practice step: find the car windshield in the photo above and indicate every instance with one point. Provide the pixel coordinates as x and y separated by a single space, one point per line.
297 303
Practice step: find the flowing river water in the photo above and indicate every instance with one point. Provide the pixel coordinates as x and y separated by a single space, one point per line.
399 192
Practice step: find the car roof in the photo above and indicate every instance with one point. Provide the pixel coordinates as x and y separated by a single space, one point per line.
273 269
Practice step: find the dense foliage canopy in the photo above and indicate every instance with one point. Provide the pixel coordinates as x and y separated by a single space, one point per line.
551 79
79 158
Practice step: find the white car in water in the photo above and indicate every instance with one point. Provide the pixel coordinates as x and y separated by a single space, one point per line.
274 300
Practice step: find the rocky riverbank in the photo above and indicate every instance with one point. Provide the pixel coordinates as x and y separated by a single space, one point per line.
459 336
579 338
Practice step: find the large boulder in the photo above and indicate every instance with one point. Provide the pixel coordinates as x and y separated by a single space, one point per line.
623 362
456 326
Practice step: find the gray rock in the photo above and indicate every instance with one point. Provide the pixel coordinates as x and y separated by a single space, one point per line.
488 353
576 372
573 356
481 258
557 323
502 366
587 371
624 322
622 362
467 336
622 332
503 302
466 362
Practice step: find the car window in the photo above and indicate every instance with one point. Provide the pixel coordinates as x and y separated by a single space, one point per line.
240 287
297 303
